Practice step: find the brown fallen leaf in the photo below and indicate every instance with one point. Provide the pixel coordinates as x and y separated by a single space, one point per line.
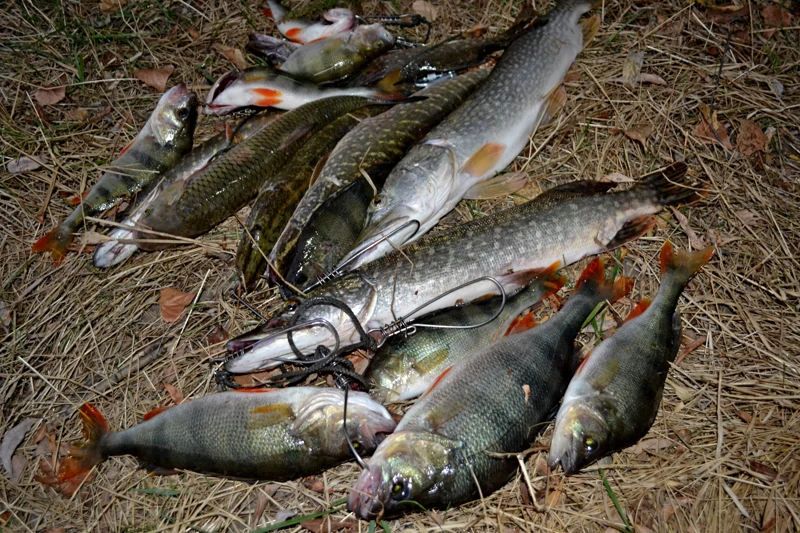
746 216
697 242
174 393
91 238
776 17
50 95
767 471
112 5
708 125
670 507
12 439
194 34
727 14
638 133
155 77
315 484
173 302
233 54
219 335
651 445
5 315
26 164
426 9
554 497
751 138
654 79
632 68
328 525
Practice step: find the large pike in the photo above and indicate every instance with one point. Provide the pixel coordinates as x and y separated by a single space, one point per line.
279 434
190 208
561 226
461 157
163 140
613 399
405 367
315 240
494 402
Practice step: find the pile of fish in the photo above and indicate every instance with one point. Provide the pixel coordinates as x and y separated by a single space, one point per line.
375 146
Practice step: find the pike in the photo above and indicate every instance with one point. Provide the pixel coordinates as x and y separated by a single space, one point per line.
163 140
613 398
304 31
461 157
563 225
405 367
327 220
458 441
278 435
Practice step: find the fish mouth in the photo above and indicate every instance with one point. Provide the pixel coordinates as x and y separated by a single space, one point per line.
246 340
225 81
379 240
364 499
562 452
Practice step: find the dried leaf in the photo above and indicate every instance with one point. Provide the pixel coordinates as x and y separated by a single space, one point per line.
219 335
751 138
360 362
776 17
155 77
233 54
50 96
554 497
284 514
26 164
638 133
12 439
328 525
670 507
112 5
655 79
651 445
173 302
777 87
704 131
426 9
616 177
5 315
746 216
174 393
314 484
632 68
727 14
18 463
682 393
697 242
639 528
91 238
767 471
194 34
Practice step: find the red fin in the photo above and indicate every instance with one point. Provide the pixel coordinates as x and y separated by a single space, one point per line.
267 97
483 160
293 34
127 146
552 281
593 279
155 412
437 381
56 243
622 286
83 455
594 272
640 308
78 199
688 263
268 12
523 322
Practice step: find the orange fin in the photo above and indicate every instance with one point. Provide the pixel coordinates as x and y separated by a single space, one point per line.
127 146
497 186
55 242
593 273
228 132
640 308
589 28
483 160
267 97
78 199
268 12
622 286
551 280
85 454
437 381
523 322
687 263
632 230
155 412
593 279
555 101
293 34
523 277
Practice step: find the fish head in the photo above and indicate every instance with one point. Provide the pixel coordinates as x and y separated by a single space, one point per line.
339 14
251 337
173 121
409 466
235 90
401 213
373 38
581 435
320 419
391 378
312 328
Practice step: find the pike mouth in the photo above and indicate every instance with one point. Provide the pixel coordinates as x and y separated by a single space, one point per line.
379 241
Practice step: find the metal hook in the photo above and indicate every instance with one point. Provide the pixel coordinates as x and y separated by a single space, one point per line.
402 325
407 20
359 460
249 307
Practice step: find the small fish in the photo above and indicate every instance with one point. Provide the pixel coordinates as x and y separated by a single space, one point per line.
275 51
278 435
494 402
461 157
613 398
193 207
405 367
304 31
338 56
564 225
114 252
327 220
165 138
267 87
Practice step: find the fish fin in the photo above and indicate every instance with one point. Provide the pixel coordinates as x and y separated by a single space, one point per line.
523 277
669 186
395 97
483 160
554 102
640 308
438 380
85 454
497 186
268 13
523 322
593 280
387 83
589 28
127 146
594 273
551 280
267 97
318 169
684 264
155 412
78 199
56 242
156 470
622 286
580 187
431 361
269 415
296 136
293 34
229 133
632 230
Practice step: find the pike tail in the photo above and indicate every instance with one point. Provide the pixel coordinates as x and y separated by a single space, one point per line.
682 266
669 186
85 454
55 242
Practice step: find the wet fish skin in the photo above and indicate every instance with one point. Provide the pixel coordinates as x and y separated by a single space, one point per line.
111 253
191 208
374 146
479 139
304 31
338 56
274 51
564 225
278 435
404 368
495 401
164 139
614 397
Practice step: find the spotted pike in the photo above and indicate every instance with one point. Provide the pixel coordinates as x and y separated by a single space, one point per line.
315 238
304 31
460 158
163 140
191 208
405 367
493 402
613 399
278 435
110 253
561 226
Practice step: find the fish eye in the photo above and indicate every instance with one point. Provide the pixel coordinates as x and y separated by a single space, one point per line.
291 305
399 490
183 113
590 443
301 278
376 202
356 445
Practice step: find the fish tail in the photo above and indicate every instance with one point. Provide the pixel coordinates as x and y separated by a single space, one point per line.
387 84
593 282
87 453
55 242
669 186
683 265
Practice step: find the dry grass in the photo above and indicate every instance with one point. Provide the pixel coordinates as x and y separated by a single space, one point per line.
729 420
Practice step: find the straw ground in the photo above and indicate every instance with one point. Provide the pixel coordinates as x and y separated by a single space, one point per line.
723 452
